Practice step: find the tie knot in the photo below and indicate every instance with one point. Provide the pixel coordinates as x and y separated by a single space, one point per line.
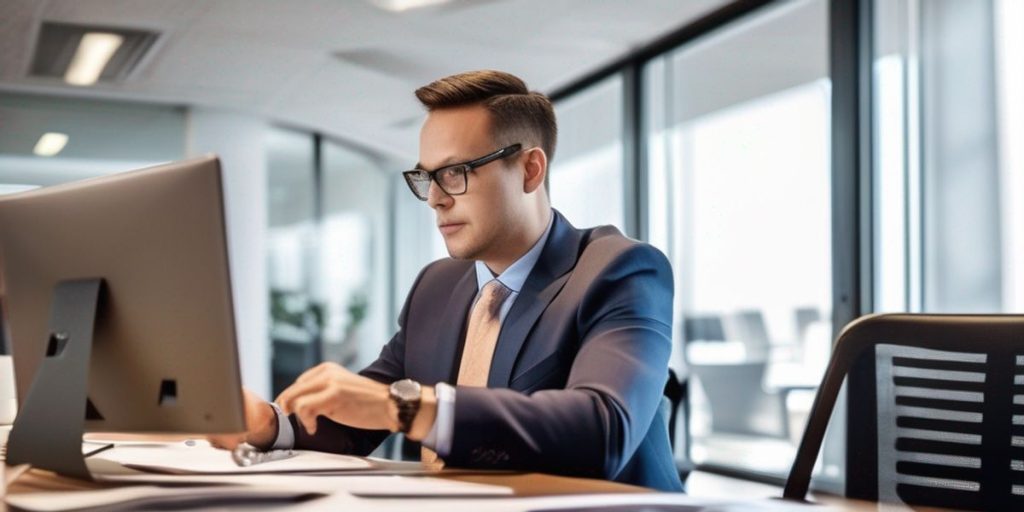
494 295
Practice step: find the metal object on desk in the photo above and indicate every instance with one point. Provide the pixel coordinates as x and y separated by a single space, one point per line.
246 455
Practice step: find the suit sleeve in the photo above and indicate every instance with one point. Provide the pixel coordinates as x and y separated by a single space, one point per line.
389 367
593 426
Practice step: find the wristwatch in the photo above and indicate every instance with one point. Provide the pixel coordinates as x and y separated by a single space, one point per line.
406 394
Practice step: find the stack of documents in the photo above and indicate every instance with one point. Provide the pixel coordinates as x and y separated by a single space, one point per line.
193 473
144 496
199 458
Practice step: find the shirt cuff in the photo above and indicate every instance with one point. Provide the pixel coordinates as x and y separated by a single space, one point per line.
440 436
285 435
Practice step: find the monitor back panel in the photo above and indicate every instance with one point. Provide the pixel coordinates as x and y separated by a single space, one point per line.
166 323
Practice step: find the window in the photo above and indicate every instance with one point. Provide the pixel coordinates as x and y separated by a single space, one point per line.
352 281
739 189
296 318
586 175
949 178
328 238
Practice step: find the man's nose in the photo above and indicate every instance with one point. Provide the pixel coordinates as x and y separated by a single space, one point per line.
438 198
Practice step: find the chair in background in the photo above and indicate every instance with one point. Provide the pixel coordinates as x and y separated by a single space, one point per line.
703 328
803 318
748 327
676 402
938 404
5 346
739 402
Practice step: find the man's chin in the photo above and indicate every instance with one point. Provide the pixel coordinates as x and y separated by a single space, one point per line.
461 253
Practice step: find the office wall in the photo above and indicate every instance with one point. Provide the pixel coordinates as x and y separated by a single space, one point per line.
104 137
239 141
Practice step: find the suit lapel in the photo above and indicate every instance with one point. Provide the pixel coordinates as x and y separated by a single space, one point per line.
452 328
545 281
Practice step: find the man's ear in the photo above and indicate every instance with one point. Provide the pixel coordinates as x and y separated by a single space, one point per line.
536 166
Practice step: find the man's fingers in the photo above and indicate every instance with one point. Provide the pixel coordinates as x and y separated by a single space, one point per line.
309 407
315 372
286 400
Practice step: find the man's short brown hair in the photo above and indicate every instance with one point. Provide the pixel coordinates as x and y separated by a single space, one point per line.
518 116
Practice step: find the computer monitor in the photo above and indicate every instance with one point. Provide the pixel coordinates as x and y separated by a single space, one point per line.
119 309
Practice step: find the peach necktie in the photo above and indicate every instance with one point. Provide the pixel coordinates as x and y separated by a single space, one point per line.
481 338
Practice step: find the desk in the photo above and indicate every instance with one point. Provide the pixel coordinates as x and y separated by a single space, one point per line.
532 492
711 486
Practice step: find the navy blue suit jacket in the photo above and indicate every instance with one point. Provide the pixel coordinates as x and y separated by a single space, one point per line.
577 375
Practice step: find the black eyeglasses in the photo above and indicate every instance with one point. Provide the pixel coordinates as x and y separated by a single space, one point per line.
452 178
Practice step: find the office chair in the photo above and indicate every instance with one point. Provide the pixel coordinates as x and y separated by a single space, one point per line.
802 319
748 326
675 402
703 328
5 347
937 402
739 402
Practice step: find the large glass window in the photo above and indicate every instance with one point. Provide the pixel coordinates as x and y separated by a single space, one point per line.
949 178
328 241
739 191
586 175
296 317
353 264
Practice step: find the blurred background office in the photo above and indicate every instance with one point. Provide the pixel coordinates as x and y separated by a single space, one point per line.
801 163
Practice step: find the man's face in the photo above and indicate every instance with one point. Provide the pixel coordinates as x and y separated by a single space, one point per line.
477 224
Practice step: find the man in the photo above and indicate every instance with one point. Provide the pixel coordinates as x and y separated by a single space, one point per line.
536 346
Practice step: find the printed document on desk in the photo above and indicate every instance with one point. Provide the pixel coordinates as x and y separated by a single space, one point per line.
380 486
199 458
137 497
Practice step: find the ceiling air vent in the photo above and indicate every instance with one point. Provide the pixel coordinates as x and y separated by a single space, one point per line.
82 55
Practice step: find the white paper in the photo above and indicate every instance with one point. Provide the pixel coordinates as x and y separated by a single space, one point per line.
203 459
392 486
134 497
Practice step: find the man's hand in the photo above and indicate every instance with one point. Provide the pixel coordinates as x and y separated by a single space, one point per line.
260 421
345 397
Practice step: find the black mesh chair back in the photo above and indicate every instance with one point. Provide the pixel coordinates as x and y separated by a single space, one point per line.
936 411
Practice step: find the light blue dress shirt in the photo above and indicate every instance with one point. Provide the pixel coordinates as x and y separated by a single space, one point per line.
440 436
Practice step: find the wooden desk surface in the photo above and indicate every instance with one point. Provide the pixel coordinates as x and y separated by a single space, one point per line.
524 485
539 484
710 485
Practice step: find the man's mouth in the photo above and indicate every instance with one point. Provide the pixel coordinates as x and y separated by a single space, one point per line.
448 228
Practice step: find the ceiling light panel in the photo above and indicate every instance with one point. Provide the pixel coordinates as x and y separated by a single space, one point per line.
50 144
83 55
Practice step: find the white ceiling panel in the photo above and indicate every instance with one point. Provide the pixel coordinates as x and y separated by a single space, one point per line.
343 67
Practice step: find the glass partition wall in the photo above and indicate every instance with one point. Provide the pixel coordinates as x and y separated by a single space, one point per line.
328 243
948 174
738 135
804 161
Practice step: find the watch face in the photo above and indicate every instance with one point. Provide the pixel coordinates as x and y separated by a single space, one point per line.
406 389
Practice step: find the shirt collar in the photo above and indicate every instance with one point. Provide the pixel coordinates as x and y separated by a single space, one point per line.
515 275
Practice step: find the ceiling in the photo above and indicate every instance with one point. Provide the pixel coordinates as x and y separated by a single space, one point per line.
345 68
